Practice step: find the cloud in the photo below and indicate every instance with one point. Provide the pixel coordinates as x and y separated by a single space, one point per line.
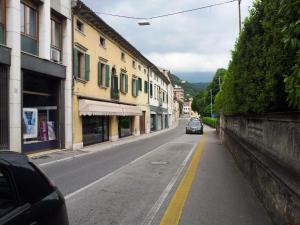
200 40
189 62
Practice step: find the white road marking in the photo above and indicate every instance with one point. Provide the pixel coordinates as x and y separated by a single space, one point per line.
155 208
112 173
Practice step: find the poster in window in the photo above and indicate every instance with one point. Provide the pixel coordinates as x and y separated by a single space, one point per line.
30 118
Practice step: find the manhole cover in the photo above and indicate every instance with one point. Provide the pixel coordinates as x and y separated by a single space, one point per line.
159 163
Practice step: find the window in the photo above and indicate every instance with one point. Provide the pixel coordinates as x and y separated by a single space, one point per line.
7 198
155 90
2 21
135 87
56 39
146 86
102 41
79 26
123 56
140 84
145 71
133 64
103 75
151 90
81 65
139 67
29 29
124 83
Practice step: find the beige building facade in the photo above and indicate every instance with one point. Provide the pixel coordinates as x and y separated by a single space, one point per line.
110 89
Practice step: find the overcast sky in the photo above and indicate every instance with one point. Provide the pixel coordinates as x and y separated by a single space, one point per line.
199 41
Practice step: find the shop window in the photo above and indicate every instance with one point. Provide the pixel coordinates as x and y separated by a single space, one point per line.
124 83
102 41
135 87
2 22
29 29
125 126
40 116
81 65
103 75
79 26
7 195
56 40
94 129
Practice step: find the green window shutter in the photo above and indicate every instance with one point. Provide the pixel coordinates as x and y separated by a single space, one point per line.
146 86
107 76
87 67
132 87
140 84
116 82
126 83
75 63
137 87
99 74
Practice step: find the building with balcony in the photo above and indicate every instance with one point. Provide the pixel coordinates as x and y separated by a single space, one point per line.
110 91
35 63
158 95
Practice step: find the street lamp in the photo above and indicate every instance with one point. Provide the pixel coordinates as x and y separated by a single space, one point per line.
144 23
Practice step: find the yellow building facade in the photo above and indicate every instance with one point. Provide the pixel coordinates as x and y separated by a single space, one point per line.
110 88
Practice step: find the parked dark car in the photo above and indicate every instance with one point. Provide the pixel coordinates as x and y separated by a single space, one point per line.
27 196
194 127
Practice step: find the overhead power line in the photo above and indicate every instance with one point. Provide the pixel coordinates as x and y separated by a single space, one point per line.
168 14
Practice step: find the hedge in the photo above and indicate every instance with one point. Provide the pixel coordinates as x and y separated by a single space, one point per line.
210 121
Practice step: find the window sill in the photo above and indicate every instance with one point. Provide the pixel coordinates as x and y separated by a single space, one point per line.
123 92
101 46
81 32
81 80
103 87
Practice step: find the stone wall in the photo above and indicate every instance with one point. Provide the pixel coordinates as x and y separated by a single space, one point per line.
276 135
266 148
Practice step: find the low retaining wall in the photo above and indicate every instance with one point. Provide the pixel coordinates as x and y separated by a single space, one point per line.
267 152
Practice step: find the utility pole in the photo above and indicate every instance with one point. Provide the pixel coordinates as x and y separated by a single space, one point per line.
240 19
211 103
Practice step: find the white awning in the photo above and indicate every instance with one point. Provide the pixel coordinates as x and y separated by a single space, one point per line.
98 108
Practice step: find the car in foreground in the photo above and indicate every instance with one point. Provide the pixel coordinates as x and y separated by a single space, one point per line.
27 196
194 127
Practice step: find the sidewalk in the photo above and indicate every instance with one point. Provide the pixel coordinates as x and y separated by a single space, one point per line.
53 156
213 191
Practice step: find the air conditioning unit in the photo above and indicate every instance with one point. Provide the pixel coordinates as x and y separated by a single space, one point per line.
55 55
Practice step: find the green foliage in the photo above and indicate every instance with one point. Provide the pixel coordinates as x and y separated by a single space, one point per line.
264 73
190 89
202 101
212 122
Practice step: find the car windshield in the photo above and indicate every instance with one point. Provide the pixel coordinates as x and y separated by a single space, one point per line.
194 123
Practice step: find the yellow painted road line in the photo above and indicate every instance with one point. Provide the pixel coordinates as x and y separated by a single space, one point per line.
174 210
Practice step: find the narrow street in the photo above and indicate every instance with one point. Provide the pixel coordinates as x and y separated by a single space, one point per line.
134 183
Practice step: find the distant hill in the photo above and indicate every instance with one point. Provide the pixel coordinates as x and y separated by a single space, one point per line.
196 77
189 88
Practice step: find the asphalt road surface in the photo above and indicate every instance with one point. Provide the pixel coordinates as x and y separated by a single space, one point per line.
189 179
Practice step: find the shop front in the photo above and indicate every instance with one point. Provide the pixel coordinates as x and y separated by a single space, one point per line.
42 117
4 96
104 121
95 129
41 112
152 121
125 125
4 138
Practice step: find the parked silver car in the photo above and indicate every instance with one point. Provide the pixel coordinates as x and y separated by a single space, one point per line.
194 127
